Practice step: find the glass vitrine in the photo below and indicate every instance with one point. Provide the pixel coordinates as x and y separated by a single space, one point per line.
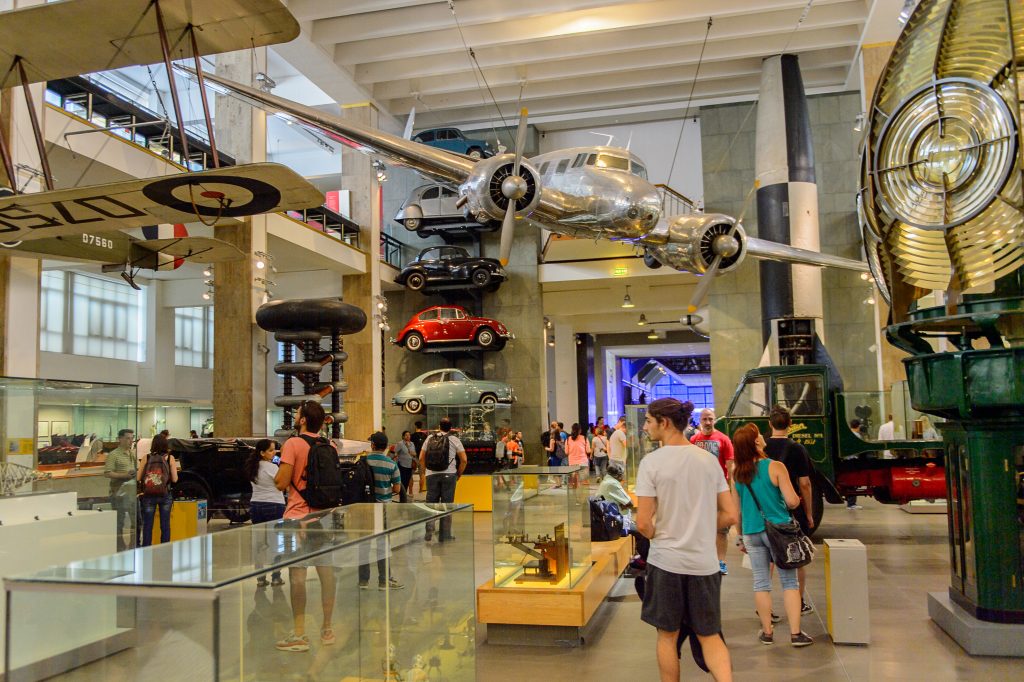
479 427
541 518
193 609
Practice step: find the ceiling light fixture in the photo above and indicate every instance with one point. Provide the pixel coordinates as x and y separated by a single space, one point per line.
653 336
642 322
627 302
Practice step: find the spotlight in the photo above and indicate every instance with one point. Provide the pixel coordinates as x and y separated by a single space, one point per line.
865 276
551 341
208 271
627 302
262 259
207 295
653 336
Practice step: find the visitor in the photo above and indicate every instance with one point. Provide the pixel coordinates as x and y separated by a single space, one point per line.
682 500
887 431
718 444
441 484
610 488
578 452
599 446
555 446
618 444
857 426
120 467
766 481
798 463
266 504
513 450
405 458
291 477
155 479
387 482
193 434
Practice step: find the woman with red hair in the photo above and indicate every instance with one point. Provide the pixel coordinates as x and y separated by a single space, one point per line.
765 492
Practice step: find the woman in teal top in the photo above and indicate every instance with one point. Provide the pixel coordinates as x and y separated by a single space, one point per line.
757 475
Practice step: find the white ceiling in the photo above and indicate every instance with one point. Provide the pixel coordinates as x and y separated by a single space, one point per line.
572 59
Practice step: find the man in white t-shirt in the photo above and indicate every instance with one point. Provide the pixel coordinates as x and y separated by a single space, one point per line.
683 500
887 431
618 443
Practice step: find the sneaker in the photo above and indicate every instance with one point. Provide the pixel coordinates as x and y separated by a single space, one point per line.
722 568
327 636
775 617
391 583
800 639
293 642
805 608
261 582
853 506
364 585
765 638
277 581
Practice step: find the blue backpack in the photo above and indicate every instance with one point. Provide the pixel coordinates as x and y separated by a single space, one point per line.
606 522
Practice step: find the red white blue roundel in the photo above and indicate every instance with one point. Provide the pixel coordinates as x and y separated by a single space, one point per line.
166 231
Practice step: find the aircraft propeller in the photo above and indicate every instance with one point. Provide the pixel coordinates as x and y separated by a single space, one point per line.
723 246
513 188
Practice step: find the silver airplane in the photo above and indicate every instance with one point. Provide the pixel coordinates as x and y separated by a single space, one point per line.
590 192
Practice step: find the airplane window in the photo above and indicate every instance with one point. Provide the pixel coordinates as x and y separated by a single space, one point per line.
434 378
425 137
562 165
592 159
431 193
428 315
637 169
447 313
578 161
544 167
612 162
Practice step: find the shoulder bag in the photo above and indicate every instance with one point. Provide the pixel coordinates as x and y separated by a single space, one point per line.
790 547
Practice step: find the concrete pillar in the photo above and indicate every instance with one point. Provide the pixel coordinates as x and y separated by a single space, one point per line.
240 375
566 408
873 60
365 349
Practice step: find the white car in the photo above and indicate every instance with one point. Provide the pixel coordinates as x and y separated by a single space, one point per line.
429 205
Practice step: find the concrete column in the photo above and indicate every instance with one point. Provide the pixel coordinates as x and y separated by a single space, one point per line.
240 376
365 349
567 406
873 61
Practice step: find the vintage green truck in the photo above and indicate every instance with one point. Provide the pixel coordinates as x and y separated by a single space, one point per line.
891 471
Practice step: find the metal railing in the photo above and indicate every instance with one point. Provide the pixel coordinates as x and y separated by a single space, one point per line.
675 203
394 252
330 222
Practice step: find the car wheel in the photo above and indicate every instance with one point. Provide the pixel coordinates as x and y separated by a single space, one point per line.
481 277
488 399
413 406
415 281
414 342
475 153
237 511
411 224
485 338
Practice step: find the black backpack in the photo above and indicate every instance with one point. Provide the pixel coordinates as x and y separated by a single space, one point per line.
357 482
438 452
605 520
323 475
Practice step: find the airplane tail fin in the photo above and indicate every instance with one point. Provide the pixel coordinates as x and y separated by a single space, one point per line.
409 123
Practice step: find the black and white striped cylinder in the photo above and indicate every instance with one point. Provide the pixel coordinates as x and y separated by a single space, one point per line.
787 194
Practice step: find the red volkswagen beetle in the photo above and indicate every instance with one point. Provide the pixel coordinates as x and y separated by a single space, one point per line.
451 324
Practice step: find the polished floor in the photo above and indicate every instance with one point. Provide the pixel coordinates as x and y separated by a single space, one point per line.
907 558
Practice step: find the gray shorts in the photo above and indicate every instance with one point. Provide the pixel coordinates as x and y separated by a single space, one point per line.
671 599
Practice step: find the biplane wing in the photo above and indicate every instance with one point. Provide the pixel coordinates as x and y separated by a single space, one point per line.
193 249
62 39
212 196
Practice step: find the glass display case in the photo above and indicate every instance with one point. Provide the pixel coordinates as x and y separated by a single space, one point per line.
541 518
192 609
478 427
639 443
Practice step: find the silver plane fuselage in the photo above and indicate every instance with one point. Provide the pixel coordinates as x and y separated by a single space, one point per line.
602 192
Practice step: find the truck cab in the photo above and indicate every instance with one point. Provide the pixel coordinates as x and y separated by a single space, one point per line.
845 463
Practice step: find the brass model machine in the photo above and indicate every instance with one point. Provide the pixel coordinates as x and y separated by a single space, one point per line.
550 556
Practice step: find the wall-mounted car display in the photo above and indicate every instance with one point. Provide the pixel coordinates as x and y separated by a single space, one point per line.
443 267
430 209
453 140
445 325
451 386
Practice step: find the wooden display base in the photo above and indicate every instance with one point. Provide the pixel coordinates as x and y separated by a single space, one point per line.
537 616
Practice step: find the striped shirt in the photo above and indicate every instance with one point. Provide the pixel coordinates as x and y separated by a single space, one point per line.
385 475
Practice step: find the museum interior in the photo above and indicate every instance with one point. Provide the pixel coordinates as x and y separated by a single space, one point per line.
229 222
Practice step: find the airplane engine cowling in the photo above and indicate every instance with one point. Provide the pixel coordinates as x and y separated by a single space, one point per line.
485 199
693 241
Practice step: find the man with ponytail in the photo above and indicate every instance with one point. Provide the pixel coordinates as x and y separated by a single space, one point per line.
683 500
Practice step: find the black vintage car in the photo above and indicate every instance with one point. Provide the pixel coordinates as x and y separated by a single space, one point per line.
213 469
443 267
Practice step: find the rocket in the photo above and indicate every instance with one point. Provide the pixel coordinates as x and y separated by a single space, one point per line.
787 196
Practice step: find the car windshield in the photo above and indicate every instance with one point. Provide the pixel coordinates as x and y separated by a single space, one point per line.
430 254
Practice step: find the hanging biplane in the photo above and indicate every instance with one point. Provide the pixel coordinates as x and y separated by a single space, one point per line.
62 39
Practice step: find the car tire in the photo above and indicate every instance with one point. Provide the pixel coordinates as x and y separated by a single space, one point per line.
191 489
414 342
475 153
413 406
486 338
488 399
481 277
237 511
412 224
415 281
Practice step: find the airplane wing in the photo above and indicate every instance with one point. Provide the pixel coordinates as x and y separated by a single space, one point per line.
214 196
767 250
431 161
194 249
62 39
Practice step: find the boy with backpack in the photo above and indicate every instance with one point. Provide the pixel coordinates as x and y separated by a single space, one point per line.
442 459
307 474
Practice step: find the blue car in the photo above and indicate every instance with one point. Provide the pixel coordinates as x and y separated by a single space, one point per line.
453 140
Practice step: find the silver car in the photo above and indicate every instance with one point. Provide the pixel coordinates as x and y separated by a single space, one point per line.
429 205
450 387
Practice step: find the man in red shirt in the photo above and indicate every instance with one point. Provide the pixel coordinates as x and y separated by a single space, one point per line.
719 445
290 477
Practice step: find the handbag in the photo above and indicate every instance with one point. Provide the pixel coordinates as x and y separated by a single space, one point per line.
789 546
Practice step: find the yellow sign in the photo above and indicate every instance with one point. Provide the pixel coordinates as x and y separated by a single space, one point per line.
19 446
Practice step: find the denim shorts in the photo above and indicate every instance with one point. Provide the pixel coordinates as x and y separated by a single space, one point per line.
760 554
